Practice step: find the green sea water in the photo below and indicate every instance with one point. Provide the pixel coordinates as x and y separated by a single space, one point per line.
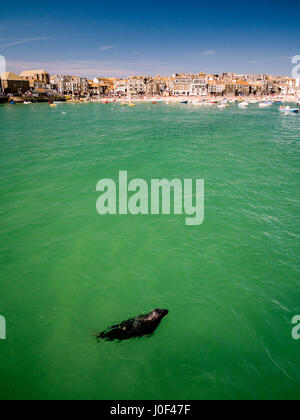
231 284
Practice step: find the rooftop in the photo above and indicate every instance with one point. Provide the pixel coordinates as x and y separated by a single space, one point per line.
11 76
31 73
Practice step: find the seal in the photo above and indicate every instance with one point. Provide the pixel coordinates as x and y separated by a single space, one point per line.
135 327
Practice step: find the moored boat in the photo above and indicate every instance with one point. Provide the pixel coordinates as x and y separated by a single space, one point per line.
288 110
266 104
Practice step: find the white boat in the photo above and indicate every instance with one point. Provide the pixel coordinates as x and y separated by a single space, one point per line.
266 104
288 110
243 104
27 103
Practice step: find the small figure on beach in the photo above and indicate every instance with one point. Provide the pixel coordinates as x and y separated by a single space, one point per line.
134 327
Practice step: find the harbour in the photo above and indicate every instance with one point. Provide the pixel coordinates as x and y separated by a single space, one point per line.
69 271
150 208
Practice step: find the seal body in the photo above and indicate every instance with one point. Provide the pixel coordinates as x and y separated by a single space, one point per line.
134 327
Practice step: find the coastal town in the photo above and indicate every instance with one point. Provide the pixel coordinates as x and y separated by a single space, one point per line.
40 86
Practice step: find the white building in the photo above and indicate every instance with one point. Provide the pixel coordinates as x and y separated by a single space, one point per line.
216 88
136 85
84 86
289 87
199 86
70 85
182 85
121 87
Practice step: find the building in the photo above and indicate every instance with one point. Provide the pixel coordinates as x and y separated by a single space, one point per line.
182 84
243 88
95 89
137 85
216 87
156 86
70 85
12 83
84 86
38 79
121 87
199 85
54 83
230 88
107 84
161 83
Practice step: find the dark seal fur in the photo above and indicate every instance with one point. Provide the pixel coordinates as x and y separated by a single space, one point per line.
135 327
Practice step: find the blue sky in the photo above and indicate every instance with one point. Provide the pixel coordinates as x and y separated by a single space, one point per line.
123 38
